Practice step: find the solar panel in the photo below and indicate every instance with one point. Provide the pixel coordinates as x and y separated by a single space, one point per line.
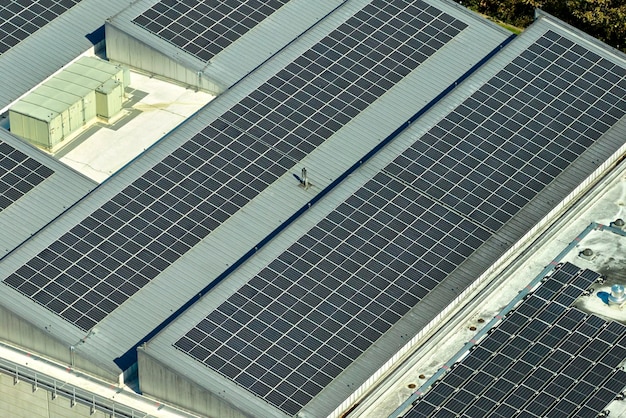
559 372
18 174
204 28
20 19
501 147
124 244
127 242
328 298
456 168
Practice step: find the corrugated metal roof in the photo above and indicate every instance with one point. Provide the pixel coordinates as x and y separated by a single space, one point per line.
44 203
53 46
246 53
608 147
191 273
203 263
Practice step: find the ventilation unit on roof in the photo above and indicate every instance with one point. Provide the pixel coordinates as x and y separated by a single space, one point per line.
68 102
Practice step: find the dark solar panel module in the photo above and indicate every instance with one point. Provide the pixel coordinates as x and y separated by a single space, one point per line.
18 174
317 307
327 86
120 247
204 28
569 368
124 244
20 19
503 145
328 298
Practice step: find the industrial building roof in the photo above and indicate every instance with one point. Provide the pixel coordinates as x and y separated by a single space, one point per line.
123 258
434 147
304 323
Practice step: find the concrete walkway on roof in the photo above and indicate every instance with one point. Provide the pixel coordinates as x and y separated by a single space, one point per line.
155 107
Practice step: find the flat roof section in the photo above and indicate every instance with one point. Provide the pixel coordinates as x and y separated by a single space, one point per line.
545 358
607 258
104 149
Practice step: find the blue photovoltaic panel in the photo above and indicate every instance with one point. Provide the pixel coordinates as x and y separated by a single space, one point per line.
120 247
205 28
18 174
312 311
496 151
21 18
328 85
124 244
475 173
546 358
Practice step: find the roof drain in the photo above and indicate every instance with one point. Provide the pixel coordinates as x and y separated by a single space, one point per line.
587 253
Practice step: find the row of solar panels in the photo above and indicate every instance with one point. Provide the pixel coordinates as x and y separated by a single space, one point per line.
139 230
546 358
316 308
305 318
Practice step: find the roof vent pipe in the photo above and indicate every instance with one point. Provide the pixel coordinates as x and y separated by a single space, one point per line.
617 296
305 179
619 223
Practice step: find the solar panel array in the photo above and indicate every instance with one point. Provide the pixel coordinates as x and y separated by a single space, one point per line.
310 313
21 18
119 248
18 174
502 146
205 28
546 358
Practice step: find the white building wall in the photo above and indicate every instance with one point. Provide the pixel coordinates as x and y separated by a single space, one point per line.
160 382
124 49
20 401
19 332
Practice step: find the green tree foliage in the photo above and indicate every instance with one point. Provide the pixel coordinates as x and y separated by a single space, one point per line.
602 19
